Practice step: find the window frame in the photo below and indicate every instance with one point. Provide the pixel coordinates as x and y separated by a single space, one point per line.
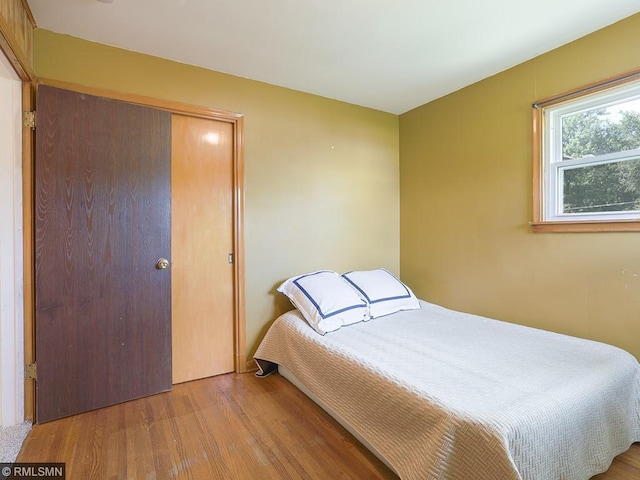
547 115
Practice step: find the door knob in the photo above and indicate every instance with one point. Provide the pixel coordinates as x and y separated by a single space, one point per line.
162 264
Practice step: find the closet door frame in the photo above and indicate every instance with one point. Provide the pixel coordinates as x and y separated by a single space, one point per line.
237 121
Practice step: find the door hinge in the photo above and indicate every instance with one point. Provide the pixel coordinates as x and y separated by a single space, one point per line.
29 119
30 371
230 258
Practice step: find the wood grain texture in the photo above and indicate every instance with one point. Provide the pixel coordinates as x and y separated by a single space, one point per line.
586 227
103 311
202 238
28 141
625 466
231 426
236 120
536 154
16 36
226 427
238 243
168 105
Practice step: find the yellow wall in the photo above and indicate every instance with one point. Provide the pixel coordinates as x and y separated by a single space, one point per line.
322 186
466 200
321 176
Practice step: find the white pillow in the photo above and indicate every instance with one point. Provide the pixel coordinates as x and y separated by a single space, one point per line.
325 300
384 293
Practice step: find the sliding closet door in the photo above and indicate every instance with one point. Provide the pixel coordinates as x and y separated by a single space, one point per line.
202 241
103 220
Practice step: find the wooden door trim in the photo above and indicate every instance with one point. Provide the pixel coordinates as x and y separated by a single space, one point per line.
28 235
237 120
168 105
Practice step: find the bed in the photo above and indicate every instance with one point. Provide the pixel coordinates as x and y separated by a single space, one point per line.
440 394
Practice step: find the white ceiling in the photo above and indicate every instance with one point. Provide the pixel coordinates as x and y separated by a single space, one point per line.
391 55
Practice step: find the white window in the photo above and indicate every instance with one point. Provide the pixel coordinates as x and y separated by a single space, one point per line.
589 157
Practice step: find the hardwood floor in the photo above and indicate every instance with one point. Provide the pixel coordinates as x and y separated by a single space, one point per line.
625 466
226 427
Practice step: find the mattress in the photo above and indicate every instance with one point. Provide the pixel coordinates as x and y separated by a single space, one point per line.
443 394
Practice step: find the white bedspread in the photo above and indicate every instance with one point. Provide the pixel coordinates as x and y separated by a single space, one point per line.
447 395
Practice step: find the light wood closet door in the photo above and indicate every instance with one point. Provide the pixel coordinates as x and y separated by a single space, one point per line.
202 239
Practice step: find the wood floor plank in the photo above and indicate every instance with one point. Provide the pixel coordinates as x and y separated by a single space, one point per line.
625 466
225 427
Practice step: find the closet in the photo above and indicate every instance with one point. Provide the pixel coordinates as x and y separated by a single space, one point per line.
137 218
202 247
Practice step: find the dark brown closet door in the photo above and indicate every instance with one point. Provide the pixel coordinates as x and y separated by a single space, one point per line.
103 220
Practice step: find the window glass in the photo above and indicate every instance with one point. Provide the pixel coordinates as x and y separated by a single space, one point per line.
601 130
589 160
609 187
